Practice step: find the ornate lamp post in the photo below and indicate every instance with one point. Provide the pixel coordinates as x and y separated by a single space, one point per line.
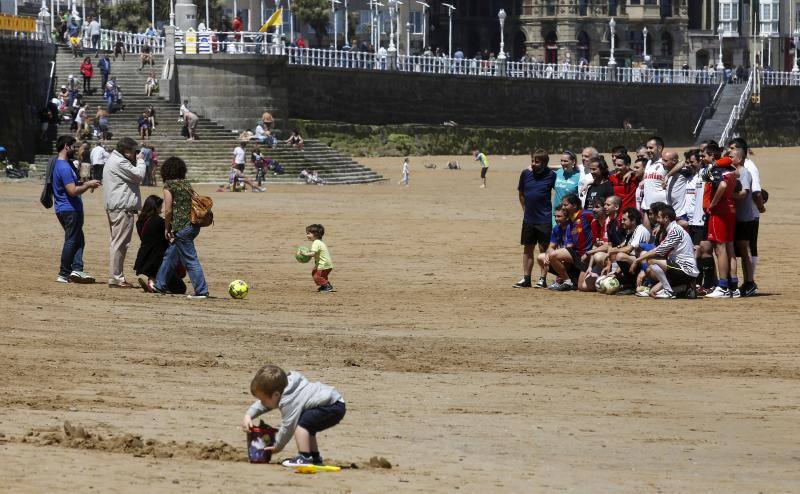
171 14
611 25
646 56
424 31
502 17
408 38
45 27
720 65
795 68
450 10
392 10
333 13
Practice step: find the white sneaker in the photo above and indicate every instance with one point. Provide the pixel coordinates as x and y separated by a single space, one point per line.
81 277
736 293
197 297
719 292
62 279
664 294
642 291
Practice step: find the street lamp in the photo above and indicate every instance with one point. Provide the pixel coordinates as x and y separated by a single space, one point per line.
333 12
611 25
646 56
374 18
346 39
392 7
408 38
450 10
424 33
720 65
171 14
502 17
795 69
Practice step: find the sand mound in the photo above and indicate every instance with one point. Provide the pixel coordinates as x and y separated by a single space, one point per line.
76 436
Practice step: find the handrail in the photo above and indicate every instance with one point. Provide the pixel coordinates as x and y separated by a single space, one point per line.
708 110
50 83
774 78
133 42
737 111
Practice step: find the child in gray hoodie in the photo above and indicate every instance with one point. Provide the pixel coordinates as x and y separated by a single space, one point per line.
306 408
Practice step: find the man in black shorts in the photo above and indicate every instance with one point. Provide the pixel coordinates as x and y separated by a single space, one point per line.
535 189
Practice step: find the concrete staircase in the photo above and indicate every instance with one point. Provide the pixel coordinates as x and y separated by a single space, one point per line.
714 126
208 158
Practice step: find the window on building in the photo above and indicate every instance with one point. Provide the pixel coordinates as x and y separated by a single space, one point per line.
770 22
363 22
612 8
583 47
550 8
651 2
415 18
729 17
666 44
635 2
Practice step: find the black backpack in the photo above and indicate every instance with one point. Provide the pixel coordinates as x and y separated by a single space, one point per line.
47 192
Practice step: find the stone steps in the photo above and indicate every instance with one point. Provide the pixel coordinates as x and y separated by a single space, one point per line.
209 158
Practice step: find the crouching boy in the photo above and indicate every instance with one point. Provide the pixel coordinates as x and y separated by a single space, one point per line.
306 408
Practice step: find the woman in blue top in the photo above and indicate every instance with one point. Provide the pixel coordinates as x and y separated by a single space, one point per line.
567 179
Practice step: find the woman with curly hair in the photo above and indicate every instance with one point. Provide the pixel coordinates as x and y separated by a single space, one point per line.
179 230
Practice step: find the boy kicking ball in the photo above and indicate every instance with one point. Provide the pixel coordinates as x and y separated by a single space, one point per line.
306 408
322 257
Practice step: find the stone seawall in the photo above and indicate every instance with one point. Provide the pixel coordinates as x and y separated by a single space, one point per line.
24 79
775 121
382 98
418 139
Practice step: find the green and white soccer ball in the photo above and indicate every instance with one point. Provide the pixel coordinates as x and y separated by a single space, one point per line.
238 289
610 285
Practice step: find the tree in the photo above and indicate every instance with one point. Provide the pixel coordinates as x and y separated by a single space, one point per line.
315 13
134 16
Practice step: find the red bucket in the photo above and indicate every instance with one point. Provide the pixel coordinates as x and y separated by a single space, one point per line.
258 438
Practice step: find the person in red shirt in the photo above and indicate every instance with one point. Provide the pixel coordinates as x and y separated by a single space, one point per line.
720 207
300 41
86 71
625 183
237 27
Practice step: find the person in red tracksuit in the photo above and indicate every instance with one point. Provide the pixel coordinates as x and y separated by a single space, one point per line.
721 210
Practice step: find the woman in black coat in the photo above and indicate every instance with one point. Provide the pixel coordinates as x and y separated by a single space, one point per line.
150 227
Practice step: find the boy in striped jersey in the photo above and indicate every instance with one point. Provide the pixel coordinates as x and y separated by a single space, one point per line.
671 264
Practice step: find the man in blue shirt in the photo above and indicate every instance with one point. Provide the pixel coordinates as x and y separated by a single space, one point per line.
69 211
535 188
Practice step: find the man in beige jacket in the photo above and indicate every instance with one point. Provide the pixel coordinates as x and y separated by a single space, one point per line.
121 179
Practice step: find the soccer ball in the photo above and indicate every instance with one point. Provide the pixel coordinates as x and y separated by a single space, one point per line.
303 254
238 289
610 285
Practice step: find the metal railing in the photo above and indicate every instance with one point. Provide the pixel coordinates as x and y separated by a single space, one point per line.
205 42
738 111
133 42
773 78
709 110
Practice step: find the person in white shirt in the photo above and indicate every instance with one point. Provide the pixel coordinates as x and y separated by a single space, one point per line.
404 180
757 193
587 155
98 157
94 33
80 119
239 156
653 178
698 228
676 187
672 262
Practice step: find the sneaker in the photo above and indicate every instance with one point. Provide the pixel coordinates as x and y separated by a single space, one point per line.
718 292
735 293
642 291
565 286
542 283
326 288
62 279
522 283
664 294
146 284
197 297
298 461
749 290
81 277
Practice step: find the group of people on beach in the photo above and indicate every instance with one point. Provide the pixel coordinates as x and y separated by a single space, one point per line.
659 225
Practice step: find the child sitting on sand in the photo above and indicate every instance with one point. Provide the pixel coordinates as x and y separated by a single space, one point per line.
306 408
